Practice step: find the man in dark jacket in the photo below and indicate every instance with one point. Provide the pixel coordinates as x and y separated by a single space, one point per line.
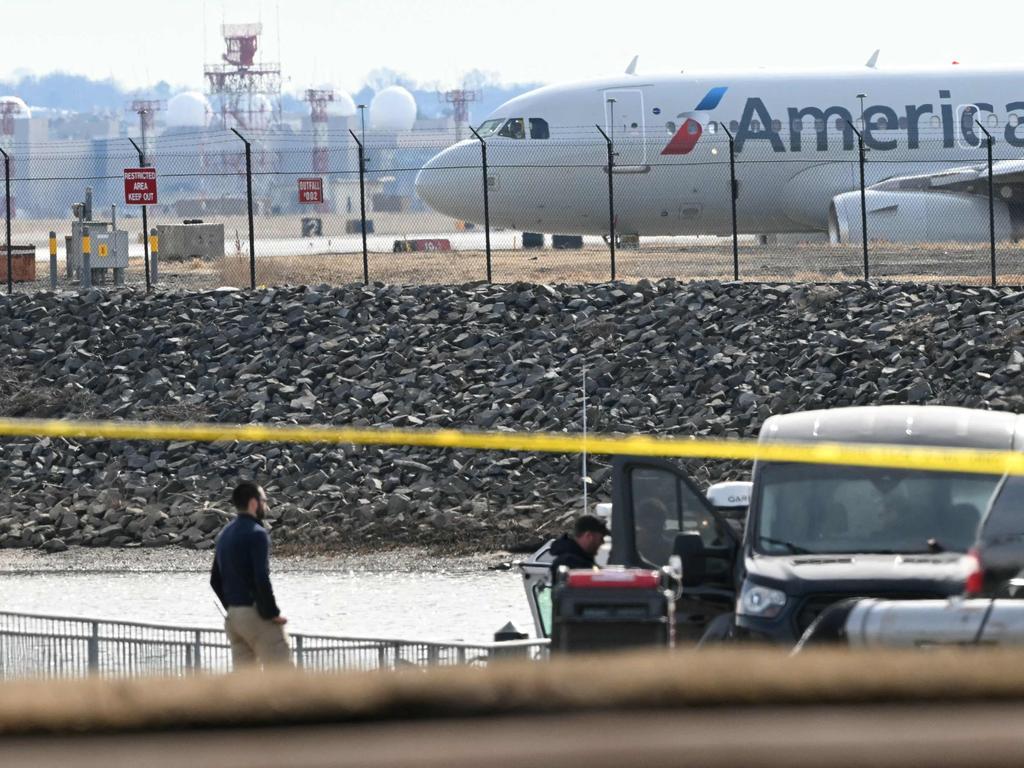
579 550
241 579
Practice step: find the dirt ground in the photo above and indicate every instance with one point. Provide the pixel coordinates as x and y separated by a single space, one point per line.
803 263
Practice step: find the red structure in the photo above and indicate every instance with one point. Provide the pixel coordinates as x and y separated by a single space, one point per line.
460 100
146 109
247 92
318 100
8 111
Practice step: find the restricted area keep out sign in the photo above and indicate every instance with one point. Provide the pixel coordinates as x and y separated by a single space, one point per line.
311 190
140 186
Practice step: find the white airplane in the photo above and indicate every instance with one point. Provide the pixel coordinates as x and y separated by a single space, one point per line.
797 159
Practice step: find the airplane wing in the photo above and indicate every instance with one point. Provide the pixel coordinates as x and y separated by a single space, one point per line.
968 179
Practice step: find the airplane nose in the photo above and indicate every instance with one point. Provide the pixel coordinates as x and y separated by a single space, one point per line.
451 183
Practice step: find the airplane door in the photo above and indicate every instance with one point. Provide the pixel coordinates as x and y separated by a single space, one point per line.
624 122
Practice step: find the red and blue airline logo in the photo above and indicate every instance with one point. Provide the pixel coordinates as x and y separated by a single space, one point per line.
689 133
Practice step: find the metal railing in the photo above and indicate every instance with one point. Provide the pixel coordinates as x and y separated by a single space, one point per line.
33 645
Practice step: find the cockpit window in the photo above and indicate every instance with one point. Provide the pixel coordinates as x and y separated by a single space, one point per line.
513 129
489 127
539 128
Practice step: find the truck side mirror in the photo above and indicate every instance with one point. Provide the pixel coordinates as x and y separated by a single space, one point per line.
689 547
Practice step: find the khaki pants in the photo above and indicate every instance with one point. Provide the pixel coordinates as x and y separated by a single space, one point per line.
255 640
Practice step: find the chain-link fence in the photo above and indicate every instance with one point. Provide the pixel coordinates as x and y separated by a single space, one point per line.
784 203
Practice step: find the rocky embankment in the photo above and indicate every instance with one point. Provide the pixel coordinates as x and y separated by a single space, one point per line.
665 358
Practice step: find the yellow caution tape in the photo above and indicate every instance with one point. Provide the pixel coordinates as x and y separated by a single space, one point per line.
846 454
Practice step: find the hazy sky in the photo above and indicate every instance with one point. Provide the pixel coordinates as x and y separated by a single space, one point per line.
339 41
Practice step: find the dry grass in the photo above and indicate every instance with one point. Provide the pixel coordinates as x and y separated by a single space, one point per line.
801 262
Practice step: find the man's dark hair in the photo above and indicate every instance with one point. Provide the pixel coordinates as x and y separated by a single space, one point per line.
245 492
590 524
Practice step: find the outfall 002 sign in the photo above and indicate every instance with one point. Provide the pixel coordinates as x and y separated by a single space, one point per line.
311 190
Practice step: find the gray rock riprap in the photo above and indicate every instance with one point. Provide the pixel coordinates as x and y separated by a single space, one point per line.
662 358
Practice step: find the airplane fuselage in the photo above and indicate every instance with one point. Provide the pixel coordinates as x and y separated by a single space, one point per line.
795 138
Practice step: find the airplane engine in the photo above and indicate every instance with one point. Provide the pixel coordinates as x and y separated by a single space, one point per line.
916 217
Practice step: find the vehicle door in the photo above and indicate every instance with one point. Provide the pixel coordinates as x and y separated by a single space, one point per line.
1000 541
624 123
658 510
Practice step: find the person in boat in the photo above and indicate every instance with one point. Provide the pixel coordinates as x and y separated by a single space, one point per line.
579 549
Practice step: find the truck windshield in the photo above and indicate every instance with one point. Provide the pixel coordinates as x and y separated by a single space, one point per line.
806 509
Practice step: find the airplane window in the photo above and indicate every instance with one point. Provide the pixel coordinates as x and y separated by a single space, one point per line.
490 126
1014 121
755 125
670 127
798 125
539 128
776 125
819 125
882 124
513 129
734 126
936 122
712 127
993 121
691 127
840 124
903 123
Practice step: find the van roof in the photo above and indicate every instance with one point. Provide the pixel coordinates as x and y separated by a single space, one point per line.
900 424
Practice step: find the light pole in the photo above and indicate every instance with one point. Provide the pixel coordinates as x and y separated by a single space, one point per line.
362 136
862 96
362 122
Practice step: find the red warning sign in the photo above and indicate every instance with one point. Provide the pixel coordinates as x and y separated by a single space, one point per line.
311 190
140 186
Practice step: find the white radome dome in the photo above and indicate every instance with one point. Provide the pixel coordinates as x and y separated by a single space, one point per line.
393 109
342 106
188 110
18 107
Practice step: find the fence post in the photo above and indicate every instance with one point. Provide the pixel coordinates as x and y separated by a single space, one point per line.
85 278
991 203
248 195
7 216
863 197
734 193
611 195
299 652
198 659
94 648
487 205
154 247
362 206
145 222
53 261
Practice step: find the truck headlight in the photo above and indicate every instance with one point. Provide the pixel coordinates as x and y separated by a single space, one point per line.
763 602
